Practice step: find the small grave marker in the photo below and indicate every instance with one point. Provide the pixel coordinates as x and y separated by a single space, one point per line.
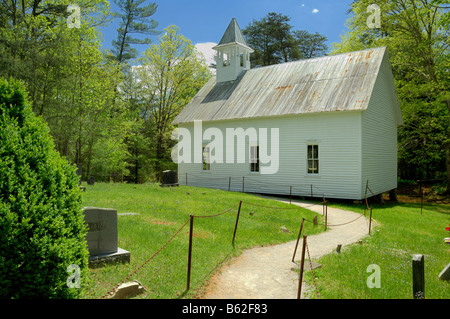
445 273
169 178
91 180
128 290
418 264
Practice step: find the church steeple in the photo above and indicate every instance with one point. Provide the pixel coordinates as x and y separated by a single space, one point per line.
233 54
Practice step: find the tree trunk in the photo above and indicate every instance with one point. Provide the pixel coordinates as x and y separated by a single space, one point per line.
447 146
448 171
89 158
136 163
159 154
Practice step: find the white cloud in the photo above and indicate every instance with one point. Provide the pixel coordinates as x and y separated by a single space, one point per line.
208 52
315 11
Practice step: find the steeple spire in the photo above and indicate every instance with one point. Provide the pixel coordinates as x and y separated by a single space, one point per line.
233 54
233 34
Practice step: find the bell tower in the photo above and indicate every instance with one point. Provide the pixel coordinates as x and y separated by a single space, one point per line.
233 54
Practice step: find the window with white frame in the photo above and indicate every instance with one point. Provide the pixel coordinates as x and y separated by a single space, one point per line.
313 159
206 156
254 158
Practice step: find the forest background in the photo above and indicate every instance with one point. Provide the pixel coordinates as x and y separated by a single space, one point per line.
111 110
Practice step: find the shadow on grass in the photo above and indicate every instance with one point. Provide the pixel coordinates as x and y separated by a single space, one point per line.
388 205
438 208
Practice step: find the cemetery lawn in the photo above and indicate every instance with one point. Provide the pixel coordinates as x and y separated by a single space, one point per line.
161 212
400 232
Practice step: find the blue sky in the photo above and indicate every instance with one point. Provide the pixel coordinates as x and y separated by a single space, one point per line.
206 20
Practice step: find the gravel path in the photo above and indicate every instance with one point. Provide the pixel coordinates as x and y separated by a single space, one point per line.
265 272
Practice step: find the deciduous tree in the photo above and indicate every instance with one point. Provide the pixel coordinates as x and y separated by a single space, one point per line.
170 74
416 34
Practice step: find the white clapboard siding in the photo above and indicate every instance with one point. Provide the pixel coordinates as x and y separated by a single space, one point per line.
379 134
339 139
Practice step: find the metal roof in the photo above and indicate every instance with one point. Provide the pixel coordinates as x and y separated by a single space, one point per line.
341 82
233 34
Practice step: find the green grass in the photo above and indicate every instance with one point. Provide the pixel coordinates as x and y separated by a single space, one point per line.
162 211
400 232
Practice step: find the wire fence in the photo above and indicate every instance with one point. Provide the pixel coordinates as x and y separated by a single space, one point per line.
238 205
312 271
250 184
146 262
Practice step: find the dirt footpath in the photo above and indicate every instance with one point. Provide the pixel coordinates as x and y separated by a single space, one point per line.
265 272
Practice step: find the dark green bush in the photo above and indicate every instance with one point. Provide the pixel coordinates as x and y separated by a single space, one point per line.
42 228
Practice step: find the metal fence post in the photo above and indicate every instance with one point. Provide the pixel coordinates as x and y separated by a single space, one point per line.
298 239
421 200
191 229
365 204
237 220
370 220
302 264
365 198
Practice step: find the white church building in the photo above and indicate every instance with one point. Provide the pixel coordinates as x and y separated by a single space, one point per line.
323 126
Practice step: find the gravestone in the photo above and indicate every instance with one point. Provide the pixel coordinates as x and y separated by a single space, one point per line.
169 178
393 195
91 180
418 264
445 273
102 237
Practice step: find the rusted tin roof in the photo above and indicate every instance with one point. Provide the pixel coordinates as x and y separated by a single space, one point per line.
341 82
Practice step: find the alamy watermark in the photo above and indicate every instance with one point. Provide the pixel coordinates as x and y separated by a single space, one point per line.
221 146
374 280
374 20
74 279
74 20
